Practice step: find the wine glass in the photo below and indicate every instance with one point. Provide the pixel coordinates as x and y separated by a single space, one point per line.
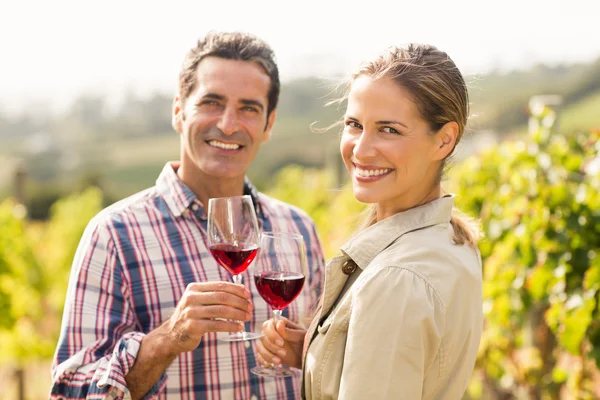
233 241
279 276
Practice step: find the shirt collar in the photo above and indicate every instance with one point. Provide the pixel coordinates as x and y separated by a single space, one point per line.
367 244
180 198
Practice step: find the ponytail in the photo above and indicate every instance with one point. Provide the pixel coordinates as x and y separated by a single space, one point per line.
465 229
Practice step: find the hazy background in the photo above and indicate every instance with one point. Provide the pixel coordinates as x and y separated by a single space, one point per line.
78 76
85 99
86 87
54 51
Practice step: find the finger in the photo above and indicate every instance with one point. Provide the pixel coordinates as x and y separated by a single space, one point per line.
263 351
272 334
273 343
290 334
291 325
262 361
220 286
266 355
269 347
280 328
217 298
214 312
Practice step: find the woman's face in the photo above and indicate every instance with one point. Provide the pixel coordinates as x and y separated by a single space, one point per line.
388 149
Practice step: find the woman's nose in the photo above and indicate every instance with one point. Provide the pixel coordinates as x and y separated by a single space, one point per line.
364 146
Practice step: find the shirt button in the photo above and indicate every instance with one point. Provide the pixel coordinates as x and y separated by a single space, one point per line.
185 213
247 344
195 207
254 397
348 267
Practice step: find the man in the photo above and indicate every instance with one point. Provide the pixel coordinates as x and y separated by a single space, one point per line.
146 299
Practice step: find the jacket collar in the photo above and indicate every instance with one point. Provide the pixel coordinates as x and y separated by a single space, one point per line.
367 244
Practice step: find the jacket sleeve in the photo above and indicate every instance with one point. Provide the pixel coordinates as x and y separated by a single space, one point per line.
395 331
98 343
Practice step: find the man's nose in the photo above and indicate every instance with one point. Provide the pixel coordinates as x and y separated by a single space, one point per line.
228 123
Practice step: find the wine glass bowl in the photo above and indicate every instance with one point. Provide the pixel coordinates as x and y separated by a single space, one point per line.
279 275
279 288
233 239
234 258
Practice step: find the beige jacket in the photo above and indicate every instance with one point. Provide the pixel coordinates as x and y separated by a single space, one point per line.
409 325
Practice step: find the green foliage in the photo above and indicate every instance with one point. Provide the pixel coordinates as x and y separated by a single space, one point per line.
21 289
68 218
539 203
41 198
335 212
19 271
35 260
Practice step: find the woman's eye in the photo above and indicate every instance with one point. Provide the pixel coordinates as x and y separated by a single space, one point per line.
353 124
387 129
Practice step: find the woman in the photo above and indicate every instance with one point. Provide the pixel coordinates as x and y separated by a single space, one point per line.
401 313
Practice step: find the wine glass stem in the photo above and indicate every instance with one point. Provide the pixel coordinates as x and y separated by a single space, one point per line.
238 279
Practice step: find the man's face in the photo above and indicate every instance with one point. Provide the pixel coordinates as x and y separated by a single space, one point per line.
223 122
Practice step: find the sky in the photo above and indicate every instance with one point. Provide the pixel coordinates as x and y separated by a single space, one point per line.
53 51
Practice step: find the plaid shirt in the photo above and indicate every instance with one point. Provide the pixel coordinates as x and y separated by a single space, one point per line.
132 266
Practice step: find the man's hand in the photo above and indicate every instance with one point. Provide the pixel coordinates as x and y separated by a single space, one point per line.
207 307
204 307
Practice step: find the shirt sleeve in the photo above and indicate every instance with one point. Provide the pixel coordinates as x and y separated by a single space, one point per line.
395 331
98 343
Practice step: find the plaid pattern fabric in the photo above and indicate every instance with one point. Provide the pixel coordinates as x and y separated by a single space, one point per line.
132 266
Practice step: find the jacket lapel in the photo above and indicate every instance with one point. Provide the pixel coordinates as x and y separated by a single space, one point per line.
335 280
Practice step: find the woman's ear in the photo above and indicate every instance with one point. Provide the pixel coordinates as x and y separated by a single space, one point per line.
445 140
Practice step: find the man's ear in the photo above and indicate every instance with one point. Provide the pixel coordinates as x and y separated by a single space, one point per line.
269 127
445 141
177 114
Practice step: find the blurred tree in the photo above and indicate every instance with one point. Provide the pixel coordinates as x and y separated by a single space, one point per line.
539 201
35 260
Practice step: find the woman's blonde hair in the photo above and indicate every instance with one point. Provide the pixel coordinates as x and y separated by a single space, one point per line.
440 94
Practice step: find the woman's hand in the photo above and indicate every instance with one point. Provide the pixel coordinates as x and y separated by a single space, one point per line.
281 344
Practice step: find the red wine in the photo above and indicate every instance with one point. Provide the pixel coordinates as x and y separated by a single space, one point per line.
233 258
279 288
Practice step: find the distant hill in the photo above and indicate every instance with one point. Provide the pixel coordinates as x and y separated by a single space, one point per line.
500 100
128 148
